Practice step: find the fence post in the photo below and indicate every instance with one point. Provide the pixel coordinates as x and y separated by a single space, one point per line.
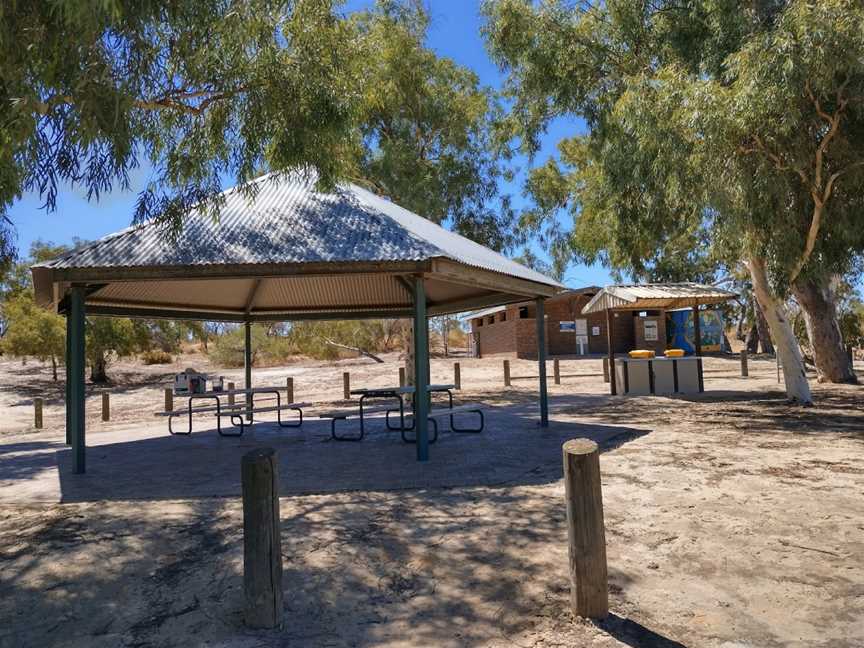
745 371
230 395
106 407
606 370
401 376
262 540
169 399
289 389
556 370
346 385
37 413
506 373
589 595
457 375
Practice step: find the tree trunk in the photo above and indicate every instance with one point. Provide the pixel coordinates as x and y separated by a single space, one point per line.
764 331
797 387
98 370
54 367
820 317
752 339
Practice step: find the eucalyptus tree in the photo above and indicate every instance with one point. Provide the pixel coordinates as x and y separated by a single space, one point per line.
735 126
197 89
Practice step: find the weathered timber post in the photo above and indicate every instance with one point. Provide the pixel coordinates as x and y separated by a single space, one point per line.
262 540
457 375
556 371
37 413
106 407
230 395
506 373
589 596
346 385
606 370
169 399
289 390
401 376
744 369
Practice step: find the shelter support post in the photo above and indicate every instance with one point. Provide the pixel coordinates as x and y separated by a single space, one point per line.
247 366
68 383
697 345
541 360
75 372
421 370
613 386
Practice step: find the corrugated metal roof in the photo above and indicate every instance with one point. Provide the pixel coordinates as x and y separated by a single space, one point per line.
288 221
658 295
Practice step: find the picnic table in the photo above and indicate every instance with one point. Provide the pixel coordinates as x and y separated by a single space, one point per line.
398 394
234 410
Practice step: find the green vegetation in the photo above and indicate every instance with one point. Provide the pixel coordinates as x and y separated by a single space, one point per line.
719 134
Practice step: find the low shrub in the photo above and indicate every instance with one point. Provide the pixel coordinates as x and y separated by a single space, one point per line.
156 356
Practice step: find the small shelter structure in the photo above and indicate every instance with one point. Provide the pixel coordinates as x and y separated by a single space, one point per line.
647 297
289 252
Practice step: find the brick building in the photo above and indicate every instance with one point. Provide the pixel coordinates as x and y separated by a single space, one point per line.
512 330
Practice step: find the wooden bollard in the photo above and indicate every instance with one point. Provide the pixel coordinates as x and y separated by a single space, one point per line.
457 375
556 371
506 373
262 539
744 370
37 413
401 376
230 395
289 389
606 370
346 385
169 399
589 595
106 407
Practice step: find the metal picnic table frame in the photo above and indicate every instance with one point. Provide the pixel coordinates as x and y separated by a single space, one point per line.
242 409
398 393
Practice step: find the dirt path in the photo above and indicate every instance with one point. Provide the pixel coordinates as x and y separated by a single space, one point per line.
734 521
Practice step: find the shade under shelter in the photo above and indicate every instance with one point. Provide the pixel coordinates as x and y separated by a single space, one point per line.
665 296
289 252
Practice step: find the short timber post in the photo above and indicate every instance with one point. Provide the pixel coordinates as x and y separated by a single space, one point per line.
457 375
230 395
169 399
744 370
346 385
247 366
613 387
262 540
506 373
421 370
541 361
556 371
606 370
401 376
75 330
106 407
586 533
289 390
37 413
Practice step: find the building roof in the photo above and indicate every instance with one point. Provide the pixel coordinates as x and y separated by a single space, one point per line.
587 290
656 295
296 240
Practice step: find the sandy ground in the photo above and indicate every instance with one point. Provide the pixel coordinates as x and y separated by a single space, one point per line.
732 520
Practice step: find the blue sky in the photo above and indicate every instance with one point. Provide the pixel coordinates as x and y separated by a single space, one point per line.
454 32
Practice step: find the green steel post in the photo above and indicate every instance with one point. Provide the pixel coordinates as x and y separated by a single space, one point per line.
541 357
68 361
421 370
75 404
247 367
